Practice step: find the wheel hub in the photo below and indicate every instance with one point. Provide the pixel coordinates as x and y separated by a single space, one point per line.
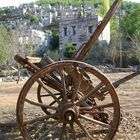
69 114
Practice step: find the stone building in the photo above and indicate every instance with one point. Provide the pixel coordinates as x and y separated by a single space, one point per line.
78 31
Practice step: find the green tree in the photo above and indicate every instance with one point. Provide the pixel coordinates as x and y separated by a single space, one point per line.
129 6
115 42
33 18
55 41
65 2
129 25
2 53
5 44
69 50
104 7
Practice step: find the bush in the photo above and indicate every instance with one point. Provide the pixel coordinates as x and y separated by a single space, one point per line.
69 50
134 61
55 41
53 54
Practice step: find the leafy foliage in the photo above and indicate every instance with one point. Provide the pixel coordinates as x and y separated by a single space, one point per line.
130 34
55 41
5 41
130 24
129 6
67 2
32 18
54 54
69 50
4 13
2 55
104 7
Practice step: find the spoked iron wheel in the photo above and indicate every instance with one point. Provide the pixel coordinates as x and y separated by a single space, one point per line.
77 102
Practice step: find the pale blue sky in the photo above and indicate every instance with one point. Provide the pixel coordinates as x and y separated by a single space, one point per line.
4 3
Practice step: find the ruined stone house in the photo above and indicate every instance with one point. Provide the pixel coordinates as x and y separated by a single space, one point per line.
78 31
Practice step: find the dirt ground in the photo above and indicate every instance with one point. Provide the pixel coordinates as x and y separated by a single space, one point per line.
128 93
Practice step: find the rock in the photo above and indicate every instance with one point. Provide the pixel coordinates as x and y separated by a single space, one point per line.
1 80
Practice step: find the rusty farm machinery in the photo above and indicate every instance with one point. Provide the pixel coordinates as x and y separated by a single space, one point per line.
74 100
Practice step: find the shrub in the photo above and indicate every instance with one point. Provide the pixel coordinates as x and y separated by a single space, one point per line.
69 50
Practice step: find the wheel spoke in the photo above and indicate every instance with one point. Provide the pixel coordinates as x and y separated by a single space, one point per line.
49 92
63 84
55 77
73 132
89 94
95 121
81 126
52 103
40 104
76 86
46 132
96 107
103 106
63 131
39 119
89 108
45 95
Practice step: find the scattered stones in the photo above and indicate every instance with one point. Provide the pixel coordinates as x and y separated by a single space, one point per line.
129 128
1 80
12 78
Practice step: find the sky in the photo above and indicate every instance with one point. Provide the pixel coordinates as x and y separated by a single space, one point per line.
138 1
4 3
